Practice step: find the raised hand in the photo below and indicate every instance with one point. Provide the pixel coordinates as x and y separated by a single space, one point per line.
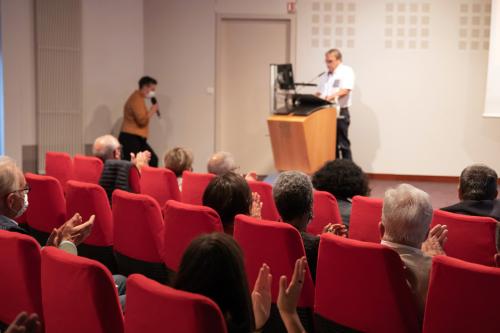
256 209
336 229
440 232
261 296
25 324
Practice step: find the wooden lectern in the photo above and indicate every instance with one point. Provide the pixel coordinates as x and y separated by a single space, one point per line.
303 143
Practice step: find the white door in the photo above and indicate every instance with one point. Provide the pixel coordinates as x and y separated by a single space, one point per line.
245 49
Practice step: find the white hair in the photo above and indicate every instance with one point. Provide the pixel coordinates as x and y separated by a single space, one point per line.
221 163
9 175
105 146
406 215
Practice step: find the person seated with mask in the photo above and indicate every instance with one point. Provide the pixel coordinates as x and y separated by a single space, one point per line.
477 192
293 196
406 218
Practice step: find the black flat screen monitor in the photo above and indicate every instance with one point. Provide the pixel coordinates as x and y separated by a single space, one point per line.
285 77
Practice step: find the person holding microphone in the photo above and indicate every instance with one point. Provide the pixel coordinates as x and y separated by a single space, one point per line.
136 116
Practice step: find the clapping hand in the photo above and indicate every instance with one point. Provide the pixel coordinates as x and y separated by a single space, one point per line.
140 159
25 324
434 243
288 297
336 229
256 209
74 230
261 296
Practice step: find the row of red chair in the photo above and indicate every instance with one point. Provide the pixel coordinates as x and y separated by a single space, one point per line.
359 285
75 294
470 238
82 168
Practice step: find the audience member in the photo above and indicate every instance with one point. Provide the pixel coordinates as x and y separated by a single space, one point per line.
344 180
223 162
14 191
179 160
406 218
107 147
230 195
477 192
293 196
212 266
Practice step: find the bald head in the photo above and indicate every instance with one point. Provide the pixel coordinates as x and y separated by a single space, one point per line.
107 147
221 163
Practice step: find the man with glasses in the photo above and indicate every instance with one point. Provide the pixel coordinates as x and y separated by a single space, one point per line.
336 86
14 202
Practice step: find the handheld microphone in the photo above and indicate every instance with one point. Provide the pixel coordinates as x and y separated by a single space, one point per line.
154 101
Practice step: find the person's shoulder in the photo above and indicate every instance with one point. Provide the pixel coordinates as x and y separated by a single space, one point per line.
347 69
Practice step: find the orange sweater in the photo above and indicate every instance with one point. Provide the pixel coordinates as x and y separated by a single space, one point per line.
136 115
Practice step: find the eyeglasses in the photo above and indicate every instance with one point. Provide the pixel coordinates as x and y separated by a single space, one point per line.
25 190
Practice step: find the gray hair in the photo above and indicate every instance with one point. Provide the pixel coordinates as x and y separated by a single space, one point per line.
406 215
9 175
105 146
478 182
221 163
293 195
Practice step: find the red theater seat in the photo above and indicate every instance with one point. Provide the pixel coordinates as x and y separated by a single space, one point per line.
160 183
366 214
265 190
47 206
183 223
193 186
463 297
59 166
79 295
325 210
90 199
20 272
470 238
279 245
87 169
152 307
138 230
362 286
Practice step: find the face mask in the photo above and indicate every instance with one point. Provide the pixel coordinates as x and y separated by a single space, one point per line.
24 207
151 94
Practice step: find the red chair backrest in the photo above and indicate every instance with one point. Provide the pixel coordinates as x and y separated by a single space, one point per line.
153 307
269 211
47 206
325 210
366 213
87 169
59 165
360 285
193 186
183 223
138 226
78 295
277 244
160 183
20 272
90 199
463 297
470 238
134 180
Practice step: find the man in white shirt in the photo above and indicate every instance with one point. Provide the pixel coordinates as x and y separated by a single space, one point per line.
336 85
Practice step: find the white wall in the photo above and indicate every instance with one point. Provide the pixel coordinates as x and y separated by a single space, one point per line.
179 44
112 60
17 19
415 111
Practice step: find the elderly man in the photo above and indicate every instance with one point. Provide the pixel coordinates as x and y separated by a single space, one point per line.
293 196
406 218
14 194
223 162
107 147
